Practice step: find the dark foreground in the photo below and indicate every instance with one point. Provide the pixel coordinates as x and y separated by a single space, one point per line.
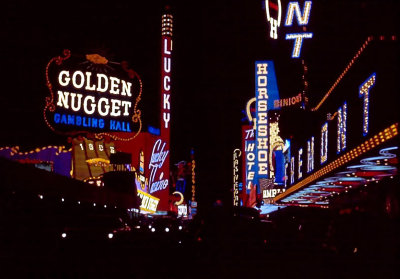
291 244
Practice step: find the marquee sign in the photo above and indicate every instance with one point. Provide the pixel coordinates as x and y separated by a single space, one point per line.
92 94
148 202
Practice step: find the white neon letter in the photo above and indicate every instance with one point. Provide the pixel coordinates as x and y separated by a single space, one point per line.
88 86
274 23
126 106
324 143
82 81
293 8
300 164
114 86
298 42
166 117
364 92
167 80
64 81
85 105
341 128
63 99
126 88
115 107
166 101
101 88
78 107
310 155
106 106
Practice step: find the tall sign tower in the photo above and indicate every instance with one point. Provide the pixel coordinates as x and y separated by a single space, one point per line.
159 162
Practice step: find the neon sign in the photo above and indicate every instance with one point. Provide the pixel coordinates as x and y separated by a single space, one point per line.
166 69
262 151
193 177
300 164
272 193
274 11
250 156
341 144
94 95
341 128
266 90
140 179
159 183
274 22
310 155
166 40
291 170
287 101
298 42
148 202
294 8
236 154
158 157
364 93
324 143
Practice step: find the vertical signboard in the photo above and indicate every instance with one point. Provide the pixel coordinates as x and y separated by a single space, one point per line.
266 87
261 121
249 157
159 161
236 156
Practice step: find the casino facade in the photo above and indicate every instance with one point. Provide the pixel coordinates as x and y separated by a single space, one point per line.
339 151
95 103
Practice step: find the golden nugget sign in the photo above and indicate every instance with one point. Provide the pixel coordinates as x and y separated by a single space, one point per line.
91 94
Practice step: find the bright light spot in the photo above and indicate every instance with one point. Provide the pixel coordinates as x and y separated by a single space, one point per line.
94 204
167 229
105 206
110 235
149 226
137 227
63 235
180 227
79 202
62 199
153 229
41 197
180 242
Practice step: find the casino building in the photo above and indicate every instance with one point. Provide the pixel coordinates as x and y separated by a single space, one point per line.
340 152
95 104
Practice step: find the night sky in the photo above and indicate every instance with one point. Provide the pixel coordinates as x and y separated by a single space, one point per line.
215 46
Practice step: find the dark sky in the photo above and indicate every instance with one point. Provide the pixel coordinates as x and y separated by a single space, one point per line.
215 46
